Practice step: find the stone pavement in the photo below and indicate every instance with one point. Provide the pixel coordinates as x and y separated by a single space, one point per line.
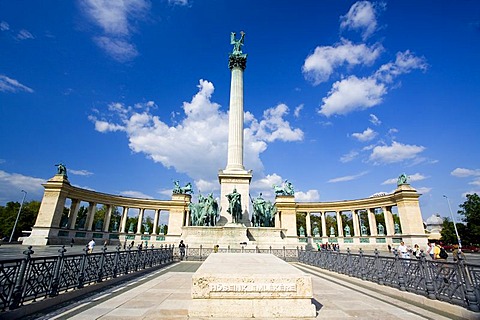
166 294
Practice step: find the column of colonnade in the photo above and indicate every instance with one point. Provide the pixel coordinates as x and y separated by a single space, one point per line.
371 220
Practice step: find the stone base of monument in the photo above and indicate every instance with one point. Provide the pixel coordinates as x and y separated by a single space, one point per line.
250 285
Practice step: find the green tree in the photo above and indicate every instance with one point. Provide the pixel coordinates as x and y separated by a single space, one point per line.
26 220
448 232
470 210
301 221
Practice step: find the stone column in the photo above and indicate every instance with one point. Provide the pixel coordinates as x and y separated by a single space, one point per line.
389 225
372 222
74 207
155 221
356 225
308 225
123 223
339 224
140 220
287 207
92 208
107 218
324 225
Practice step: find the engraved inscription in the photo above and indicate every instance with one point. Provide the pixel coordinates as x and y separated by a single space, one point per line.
252 287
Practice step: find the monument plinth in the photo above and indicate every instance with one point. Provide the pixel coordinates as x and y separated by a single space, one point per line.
240 285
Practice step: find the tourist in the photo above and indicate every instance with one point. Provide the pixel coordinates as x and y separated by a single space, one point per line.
132 244
416 251
458 253
439 252
389 248
215 248
90 246
403 250
430 250
181 246
72 242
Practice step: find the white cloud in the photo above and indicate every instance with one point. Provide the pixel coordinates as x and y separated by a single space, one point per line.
366 135
11 185
11 85
178 2
349 156
4 26
297 111
309 196
405 62
118 48
274 127
352 94
114 19
411 178
79 172
463 172
361 16
135 194
348 178
424 190
397 152
374 120
197 144
24 35
321 64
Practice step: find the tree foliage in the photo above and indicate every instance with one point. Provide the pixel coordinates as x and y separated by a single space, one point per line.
470 210
448 232
26 220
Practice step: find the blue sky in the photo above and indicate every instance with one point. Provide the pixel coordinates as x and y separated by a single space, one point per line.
340 97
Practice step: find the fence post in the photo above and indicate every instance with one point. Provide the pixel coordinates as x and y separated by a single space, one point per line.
426 273
349 263
56 273
378 266
17 292
399 264
200 252
284 254
81 275
115 263
470 296
127 260
102 262
362 265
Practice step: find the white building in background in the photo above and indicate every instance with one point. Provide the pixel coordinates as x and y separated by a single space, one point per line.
434 226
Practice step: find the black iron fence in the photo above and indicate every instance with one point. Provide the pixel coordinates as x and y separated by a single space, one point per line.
201 253
454 282
35 278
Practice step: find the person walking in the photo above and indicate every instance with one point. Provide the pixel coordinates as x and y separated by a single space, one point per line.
90 246
403 250
181 246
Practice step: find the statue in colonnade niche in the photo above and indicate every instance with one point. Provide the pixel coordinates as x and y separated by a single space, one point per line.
316 232
115 226
363 230
146 227
235 205
162 229
332 231
285 190
182 190
347 231
381 229
301 230
396 227
130 227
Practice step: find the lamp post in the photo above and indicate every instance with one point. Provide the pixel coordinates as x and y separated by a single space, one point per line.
454 223
18 215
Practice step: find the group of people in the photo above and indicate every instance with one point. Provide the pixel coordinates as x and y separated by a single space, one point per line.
328 246
434 250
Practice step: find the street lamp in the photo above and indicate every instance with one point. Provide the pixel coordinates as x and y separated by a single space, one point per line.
454 223
18 215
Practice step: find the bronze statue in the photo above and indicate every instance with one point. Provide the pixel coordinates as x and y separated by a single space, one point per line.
235 206
61 169
237 44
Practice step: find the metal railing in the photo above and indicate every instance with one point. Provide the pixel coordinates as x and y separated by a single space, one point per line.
454 282
35 278
201 253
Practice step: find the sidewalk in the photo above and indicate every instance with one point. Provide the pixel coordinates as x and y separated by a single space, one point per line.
165 294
